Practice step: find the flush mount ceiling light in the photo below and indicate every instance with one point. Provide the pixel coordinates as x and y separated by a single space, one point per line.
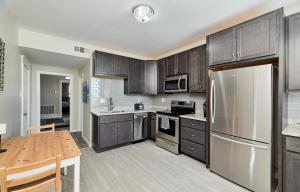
143 13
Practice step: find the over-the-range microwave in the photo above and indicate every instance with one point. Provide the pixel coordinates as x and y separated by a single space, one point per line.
176 84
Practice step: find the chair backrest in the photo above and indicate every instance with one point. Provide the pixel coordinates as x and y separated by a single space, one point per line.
47 175
39 129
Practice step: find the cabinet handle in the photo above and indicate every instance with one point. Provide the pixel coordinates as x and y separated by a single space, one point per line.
233 55
192 148
193 135
238 53
193 124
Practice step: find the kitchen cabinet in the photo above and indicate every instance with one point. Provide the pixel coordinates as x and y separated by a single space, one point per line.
198 69
292 165
171 65
150 78
257 37
111 131
153 126
293 56
222 47
161 75
177 64
250 40
134 84
106 64
193 140
182 63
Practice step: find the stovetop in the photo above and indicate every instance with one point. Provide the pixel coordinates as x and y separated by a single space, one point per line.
180 108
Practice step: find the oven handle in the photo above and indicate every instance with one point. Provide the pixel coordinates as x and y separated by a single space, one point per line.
169 117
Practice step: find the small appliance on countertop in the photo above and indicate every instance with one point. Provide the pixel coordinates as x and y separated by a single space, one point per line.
167 124
138 106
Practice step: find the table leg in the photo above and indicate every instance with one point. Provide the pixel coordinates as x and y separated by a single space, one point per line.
77 174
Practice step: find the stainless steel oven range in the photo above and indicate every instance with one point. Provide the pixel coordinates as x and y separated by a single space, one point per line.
167 124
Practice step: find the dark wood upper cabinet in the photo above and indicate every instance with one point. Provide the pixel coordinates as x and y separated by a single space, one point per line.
150 77
257 38
293 56
198 69
250 40
222 47
171 65
107 64
182 63
161 75
134 84
103 63
121 65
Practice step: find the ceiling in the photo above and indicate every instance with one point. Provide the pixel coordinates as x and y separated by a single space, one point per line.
110 23
54 59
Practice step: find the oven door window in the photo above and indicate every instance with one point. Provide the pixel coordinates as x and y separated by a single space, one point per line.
167 128
171 85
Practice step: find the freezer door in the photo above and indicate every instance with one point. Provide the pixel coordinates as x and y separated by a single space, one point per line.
241 102
246 163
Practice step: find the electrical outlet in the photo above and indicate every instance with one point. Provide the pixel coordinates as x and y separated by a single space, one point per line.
139 99
163 100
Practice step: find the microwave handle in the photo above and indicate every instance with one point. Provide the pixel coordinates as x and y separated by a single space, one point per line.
179 83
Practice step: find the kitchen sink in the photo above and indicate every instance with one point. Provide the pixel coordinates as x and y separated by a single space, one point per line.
118 111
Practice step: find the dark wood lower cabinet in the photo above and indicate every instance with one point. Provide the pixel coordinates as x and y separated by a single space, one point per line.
112 131
193 138
292 165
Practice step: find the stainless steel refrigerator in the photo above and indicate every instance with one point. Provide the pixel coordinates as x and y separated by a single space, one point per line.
241 126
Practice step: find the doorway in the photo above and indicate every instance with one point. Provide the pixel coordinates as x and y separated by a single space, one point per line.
55 100
25 95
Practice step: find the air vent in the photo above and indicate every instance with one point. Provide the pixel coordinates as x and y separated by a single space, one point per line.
81 49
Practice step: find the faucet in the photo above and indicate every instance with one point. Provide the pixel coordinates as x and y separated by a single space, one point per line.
110 104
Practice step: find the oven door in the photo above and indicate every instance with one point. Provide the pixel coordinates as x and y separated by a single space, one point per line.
176 84
167 127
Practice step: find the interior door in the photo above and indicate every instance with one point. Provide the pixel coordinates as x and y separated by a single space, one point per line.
241 102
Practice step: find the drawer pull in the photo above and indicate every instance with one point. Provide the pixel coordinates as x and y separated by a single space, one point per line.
193 124
193 135
192 148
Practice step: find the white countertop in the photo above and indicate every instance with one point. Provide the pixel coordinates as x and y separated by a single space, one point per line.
196 116
292 130
101 112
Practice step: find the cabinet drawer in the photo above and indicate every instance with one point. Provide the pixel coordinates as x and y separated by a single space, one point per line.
194 135
193 149
293 144
116 118
193 124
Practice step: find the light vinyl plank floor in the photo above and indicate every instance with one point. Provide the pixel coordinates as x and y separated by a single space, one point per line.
144 167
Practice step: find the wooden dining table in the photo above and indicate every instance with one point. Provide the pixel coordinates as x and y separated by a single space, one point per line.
29 149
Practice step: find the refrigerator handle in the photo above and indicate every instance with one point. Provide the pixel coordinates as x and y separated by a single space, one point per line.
212 102
239 142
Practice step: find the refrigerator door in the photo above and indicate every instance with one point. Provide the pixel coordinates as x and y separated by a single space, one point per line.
241 102
244 162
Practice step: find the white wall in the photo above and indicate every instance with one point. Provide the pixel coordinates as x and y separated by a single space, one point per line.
86 74
10 102
34 95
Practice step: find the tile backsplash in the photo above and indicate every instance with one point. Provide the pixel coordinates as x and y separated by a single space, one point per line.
103 88
294 107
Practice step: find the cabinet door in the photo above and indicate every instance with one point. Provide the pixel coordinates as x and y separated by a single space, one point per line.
292 172
222 47
171 63
257 37
153 129
121 65
150 77
293 56
161 75
135 82
183 63
103 63
198 69
125 132
108 135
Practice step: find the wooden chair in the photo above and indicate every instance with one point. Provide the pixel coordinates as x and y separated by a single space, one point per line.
39 129
42 179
